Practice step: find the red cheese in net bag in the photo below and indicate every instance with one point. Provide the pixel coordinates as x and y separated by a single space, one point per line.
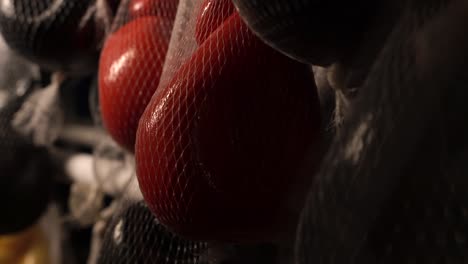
162 8
223 151
129 70
211 15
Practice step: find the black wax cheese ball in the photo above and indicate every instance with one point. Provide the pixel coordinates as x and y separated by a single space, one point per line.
135 236
58 35
316 32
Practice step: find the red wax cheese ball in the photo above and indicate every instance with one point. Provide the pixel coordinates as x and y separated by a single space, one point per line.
129 71
223 152
211 15
162 8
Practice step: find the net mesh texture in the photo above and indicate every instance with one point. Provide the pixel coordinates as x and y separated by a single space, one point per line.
235 131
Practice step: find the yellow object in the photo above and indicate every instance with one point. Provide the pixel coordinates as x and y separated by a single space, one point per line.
26 247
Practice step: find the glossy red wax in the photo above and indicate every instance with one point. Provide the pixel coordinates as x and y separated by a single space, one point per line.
224 152
211 15
129 71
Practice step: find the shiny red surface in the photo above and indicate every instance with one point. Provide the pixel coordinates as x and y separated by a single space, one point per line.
130 68
223 153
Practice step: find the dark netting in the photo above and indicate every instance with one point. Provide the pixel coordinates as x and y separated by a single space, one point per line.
135 236
233 131
390 190
57 34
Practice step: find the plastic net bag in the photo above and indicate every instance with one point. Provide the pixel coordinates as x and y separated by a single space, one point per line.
388 189
350 212
201 102
221 131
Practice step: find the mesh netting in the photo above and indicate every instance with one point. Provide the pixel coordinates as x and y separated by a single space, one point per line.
236 131
60 35
210 129
220 89
135 236
178 157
